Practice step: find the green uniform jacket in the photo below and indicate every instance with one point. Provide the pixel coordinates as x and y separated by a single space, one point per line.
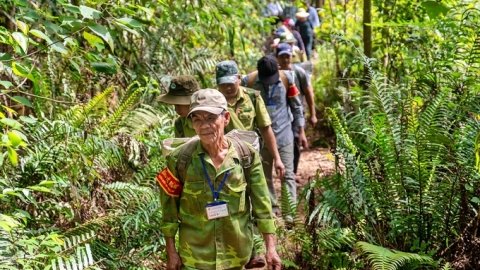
246 114
184 128
225 242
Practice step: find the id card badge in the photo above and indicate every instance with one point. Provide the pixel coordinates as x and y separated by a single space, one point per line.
271 108
216 210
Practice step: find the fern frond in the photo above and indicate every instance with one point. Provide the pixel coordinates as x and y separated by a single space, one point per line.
123 109
381 258
77 114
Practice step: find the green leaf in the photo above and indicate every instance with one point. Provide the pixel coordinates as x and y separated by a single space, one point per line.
11 123
102 32
40 188
6 84
59 47
12 154
41 35
89 13
28 119
126 11
22 71
435 9
5 57
104 67
130 22
14 139
23 101
72 8
22 26
23 3
22 40
475 200
92 39
146 10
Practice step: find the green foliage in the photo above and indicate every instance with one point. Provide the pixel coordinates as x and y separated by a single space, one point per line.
381 258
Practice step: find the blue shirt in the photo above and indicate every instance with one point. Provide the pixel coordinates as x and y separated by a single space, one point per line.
273 9
313 18
281 125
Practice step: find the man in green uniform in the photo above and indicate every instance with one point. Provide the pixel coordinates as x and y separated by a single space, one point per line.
245 113
179 92
209 206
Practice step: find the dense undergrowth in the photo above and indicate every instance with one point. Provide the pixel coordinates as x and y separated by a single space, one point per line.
82 130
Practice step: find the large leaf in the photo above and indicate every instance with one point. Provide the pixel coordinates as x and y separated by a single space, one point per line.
89 13
102 32
6 84
41 35
21 39
22 71
23 101
11 123
22 26
130 22
104 67
435 9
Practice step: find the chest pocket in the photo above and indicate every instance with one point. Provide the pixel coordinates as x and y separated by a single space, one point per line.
236 198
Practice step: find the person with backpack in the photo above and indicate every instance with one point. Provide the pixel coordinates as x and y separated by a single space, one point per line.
281 95
180 90
209 189
247 109
302 80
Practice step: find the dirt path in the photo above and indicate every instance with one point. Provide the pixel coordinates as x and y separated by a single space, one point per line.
316 158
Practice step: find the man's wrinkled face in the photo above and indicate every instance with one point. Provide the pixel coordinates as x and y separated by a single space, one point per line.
208 126
229 90
182 110
284 60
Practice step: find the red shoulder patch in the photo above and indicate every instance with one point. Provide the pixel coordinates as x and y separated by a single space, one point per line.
170 184
292 91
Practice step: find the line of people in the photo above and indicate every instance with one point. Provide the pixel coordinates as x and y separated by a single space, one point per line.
268 100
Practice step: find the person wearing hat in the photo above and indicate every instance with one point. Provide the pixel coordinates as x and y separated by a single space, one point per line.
302 80
180 90
281 97
298 55
210 205
306 30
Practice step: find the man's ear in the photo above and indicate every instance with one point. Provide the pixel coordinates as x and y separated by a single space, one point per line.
227 118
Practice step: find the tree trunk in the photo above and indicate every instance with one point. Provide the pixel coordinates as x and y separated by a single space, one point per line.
367 35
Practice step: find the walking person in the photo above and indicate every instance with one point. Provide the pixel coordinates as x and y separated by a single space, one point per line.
209 203
281 95
302 80
180 90
305 28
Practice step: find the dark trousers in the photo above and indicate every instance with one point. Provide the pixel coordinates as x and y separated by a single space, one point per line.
296 154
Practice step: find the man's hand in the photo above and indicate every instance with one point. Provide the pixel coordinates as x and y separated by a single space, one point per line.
279 168
313 120
273 260
302 139
173 261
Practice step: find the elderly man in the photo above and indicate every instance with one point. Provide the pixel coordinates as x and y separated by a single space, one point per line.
179 92
209 204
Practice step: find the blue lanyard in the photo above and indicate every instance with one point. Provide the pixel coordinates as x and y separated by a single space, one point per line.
270 96
215 192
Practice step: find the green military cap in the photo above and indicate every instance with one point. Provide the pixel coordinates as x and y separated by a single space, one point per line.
209 100
287 38
180 90
227 72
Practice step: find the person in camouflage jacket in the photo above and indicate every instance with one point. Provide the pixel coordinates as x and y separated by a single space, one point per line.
221 239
